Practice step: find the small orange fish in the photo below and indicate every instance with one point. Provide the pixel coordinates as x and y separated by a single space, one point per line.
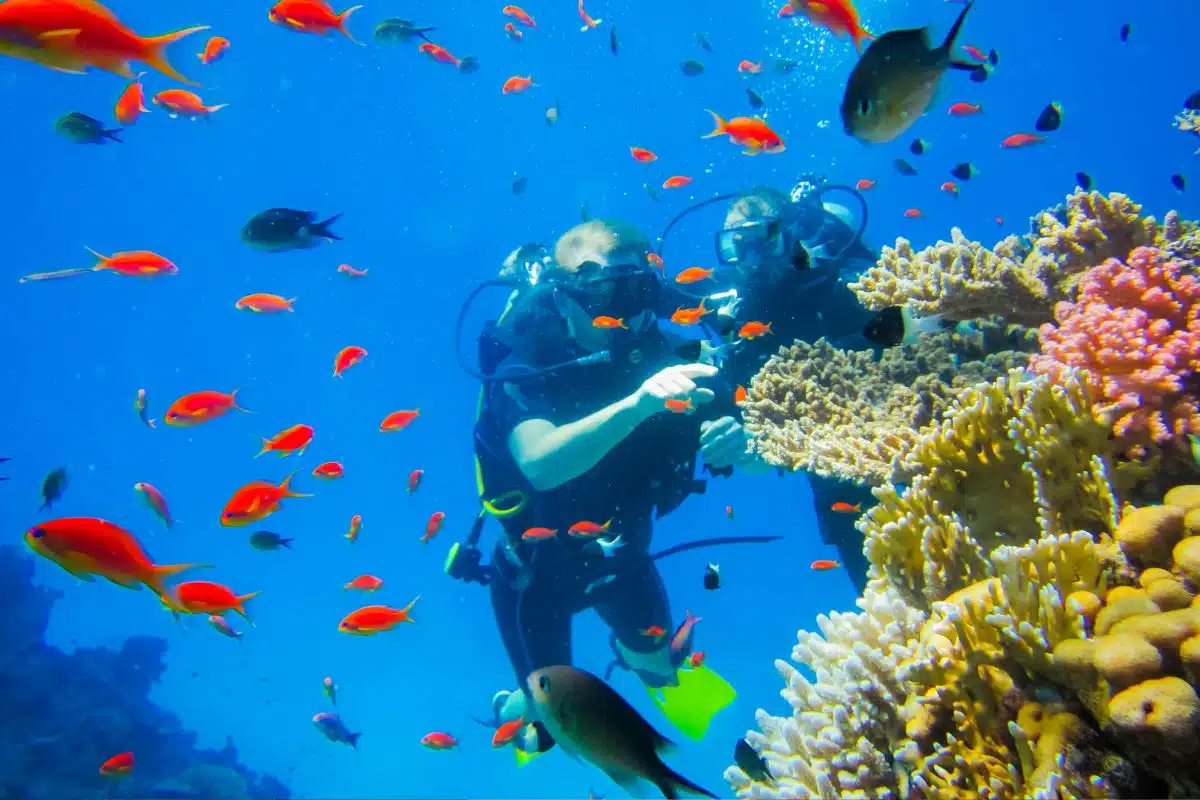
693 275
155 500
439 54
263 303
346 358
845 508
439 741
311 16
414 479
642 154
213 50
512 32
182 103
588 22
585 529
729 511
690 316
539 534
655 632
679 406
206 597
748 67
950 187
132 102
964 109
398 420
355 528
364 583
822 565
505 734
1022 140
676 182
974 52
516 84
118 766
739 395
654 260
329 470
696 659
912 213
753 330
256 501
519 14
609 322
839 17
351 271
222 627
753 133
129 264
370 620
434 526
291 440
786 10
330 689
865 184
200 407
142 406
999 220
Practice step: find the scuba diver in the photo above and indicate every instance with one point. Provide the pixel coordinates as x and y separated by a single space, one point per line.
590 421
788 258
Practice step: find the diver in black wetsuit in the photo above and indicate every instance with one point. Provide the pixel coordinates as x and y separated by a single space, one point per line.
581 430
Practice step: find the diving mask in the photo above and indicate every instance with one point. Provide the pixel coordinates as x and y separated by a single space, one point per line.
761 241
621 290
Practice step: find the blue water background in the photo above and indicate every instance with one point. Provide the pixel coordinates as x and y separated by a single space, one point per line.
420 160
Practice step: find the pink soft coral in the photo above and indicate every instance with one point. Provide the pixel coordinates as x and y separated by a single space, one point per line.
1136 330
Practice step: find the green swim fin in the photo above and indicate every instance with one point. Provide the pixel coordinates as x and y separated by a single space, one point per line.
692 704
524 757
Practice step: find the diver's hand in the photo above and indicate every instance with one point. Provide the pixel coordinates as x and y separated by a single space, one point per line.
723 442
674 383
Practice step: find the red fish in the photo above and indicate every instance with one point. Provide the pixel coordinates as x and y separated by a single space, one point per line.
605 322
505 734
729 511
291 440
586 529
398 420
86 546
434 526
130 264
132 102
1022 140
974 52
655 632
206 597
118 766
365 583
351 271
912 213
739 395
750 132
71 35
588 22
696 659
753 330
690 316
256 501
823 565
517 84
182 103
200 407
154 498
518 13
142 407
654 260
214 49
786 10
346 358
748 67
263 303
355 528
676 406
964 109
539 534
438 53
693 275
843 507
950 187
681 641
511 31
864 184
414 479
642 154
840 17
329 470
311 16
439 741
370 620
222 627
676 182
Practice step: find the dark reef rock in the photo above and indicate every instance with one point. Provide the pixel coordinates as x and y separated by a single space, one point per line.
65 714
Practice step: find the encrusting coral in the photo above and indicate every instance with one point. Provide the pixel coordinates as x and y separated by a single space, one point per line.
1023 633
1020 279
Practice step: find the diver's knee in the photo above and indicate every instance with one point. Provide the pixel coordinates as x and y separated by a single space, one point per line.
655 668
510 706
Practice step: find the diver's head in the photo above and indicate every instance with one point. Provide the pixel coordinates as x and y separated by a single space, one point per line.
527 263
601 270
763 235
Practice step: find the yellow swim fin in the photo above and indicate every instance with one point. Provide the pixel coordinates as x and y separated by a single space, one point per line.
692 704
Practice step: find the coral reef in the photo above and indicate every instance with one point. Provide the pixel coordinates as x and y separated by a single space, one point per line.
849 415
1020 279
65 714
1136 330
1023 633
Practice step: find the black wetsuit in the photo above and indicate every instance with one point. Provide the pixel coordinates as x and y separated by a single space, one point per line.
807 306
540 586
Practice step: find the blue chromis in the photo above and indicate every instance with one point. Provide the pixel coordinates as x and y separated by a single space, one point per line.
333 729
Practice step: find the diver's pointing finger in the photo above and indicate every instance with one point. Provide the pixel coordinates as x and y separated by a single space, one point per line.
697 370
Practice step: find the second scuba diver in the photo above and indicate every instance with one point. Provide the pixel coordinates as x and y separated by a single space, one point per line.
589 428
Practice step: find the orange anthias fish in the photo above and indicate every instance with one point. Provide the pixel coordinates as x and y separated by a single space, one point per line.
608 323
434 526
642 154
690 316
843 507
439 54
964 109
263 303
517 84
355 528
71 35
518 13
864 184
155 500
696 659
206 597
585 529
1022 140
588 22
912 213
143 409
370 620
256 501
329 470
654 260
676 406
840 17
676 182
214 49
655 632
86 546
399 420
748 67
132 102
311 16
118 766
130 264
364 583
539 534
505 734
414 480
292 440
740 395
439 741
182 103
511 31
751 132
950 187
346 358
693 275
824 564
753 330
200 407
351 271
222 627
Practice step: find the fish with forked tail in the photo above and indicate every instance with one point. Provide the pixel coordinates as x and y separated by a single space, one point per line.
277 230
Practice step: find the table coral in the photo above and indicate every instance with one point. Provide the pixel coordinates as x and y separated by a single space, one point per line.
1136 330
